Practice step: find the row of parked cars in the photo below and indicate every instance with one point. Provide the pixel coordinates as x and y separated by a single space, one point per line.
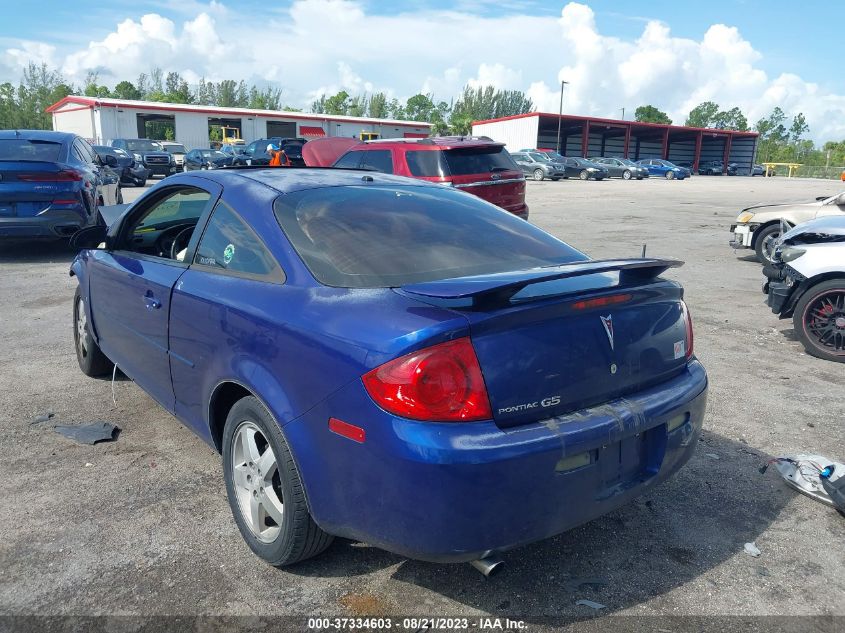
802 249
542 164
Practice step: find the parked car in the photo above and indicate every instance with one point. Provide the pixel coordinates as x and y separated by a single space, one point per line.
178 151
363 348
686 164
148 153
538 165
51 184
239 153
584 169
663 168
622 168
806 281
477 165
256 152
207 159
129 170
759 227
759 170
716 168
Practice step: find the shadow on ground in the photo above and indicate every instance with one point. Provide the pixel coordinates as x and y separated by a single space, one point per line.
661 541
36 252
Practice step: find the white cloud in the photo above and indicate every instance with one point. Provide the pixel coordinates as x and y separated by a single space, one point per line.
317 46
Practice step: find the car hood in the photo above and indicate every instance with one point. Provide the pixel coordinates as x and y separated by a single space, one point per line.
323 152
826 229
793 213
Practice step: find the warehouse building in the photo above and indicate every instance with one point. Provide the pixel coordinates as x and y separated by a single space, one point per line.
592 137
100 120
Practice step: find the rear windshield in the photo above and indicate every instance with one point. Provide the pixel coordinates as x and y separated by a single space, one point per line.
23 149
379 237
459 162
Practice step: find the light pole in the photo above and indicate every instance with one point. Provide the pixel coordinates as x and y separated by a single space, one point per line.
623 114
560 113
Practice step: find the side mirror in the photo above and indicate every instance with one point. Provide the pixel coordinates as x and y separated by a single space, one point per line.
840 200
111 160
89 237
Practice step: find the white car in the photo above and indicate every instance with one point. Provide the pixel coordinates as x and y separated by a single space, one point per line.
806 281
178 151
758 227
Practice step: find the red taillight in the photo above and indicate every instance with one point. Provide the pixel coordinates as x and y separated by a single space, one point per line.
688 323
600 302
68 201
65 175
442 383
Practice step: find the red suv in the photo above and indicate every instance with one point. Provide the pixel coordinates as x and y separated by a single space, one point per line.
477 165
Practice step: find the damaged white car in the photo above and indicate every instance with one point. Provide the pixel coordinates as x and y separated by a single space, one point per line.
806 281
758 227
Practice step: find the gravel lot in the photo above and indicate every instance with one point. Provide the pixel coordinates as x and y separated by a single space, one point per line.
141 526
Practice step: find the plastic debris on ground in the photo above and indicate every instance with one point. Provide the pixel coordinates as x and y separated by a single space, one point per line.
592 605
816 476
89 433
751 548
44 417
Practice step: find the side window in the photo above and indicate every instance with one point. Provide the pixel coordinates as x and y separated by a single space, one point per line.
78 153
87 150
229 244
349 160
165 228
378 160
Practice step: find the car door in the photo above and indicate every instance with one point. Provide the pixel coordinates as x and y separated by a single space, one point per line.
130 284
219 311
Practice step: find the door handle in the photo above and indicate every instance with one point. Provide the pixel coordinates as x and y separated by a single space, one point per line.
151 302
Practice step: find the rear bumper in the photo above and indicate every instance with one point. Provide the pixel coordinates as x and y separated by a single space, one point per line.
50 224
450 492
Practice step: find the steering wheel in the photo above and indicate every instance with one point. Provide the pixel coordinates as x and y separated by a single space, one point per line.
168 239
180 242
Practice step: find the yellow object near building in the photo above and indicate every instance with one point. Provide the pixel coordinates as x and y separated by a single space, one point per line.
368 136
770 168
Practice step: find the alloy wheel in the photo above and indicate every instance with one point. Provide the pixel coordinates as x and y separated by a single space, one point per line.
538 174
769 245
824 321
81 328
256 481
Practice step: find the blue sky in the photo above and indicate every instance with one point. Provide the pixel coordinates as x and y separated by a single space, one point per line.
671 53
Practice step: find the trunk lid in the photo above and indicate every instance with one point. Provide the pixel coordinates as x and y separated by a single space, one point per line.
26 189
551 341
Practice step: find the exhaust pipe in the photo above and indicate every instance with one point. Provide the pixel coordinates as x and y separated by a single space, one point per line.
488 565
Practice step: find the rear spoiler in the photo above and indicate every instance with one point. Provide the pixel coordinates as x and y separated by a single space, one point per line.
500 287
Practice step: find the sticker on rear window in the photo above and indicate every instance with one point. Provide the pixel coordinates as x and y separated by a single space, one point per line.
228 254
679 349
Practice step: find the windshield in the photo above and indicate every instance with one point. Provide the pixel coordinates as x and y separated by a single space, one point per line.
176 149
211 153
378 236
539 157
554 156
627 161
142 145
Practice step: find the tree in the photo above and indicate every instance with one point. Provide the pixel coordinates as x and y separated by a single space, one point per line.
337 104
484 103
702 115
420 107
732 119
650 114
773 135
357 106
396 110
125 90
798 128
377 106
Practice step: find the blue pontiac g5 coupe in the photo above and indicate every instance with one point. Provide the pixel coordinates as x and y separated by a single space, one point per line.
390 360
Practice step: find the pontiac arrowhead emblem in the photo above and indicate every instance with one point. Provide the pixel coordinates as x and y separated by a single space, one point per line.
607 322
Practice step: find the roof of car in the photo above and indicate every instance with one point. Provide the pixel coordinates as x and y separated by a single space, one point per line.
290 179
37 135
438 142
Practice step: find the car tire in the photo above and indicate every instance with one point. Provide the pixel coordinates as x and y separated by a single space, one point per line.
584 175
292 536
763 240
539 175
819 303
91 359
556 178
639 177
670 175
626 175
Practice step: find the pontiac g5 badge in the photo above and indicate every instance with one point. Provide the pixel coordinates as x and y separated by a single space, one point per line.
607 322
